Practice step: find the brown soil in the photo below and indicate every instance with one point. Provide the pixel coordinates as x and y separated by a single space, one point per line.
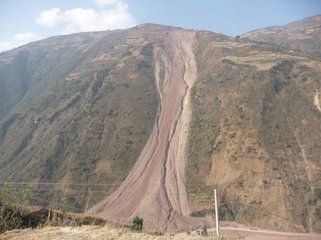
155 188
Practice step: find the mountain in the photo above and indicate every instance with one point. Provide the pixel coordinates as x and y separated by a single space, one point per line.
254 133
148 121
76 108
301 36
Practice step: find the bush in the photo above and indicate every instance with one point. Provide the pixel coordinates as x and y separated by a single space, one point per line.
312 201
204 231
11 217
147 50
318 212
13 209
137 224
317 193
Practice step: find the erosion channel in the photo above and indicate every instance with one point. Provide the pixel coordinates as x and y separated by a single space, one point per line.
155 188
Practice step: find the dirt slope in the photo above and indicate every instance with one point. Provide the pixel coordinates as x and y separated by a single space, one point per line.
155 188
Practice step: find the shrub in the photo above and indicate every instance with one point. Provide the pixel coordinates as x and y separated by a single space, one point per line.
318 212
13 209
204 231
232 134
312 201
147 50
317 193
137 224
11 217
63 206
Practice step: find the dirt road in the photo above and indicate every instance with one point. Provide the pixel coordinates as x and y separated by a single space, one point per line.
259 234
155 188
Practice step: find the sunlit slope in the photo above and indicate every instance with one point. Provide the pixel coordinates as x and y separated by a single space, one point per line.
83 109
255 134
301 36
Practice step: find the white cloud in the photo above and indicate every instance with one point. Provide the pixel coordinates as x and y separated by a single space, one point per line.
48 18
106 2
108 15
6 45
27 37
18 40
113 15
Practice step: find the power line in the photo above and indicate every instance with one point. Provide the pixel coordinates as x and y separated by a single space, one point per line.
131 192
257 208
61 183
252 185
50 202
96 195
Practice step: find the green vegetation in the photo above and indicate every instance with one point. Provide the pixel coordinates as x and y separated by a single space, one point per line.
63 205
84 117
16 212
13 211
312 201
137 224
147 50
318 212
229 211
204 231
317 193
246 126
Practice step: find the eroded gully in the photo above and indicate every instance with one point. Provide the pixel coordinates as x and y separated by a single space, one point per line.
155 187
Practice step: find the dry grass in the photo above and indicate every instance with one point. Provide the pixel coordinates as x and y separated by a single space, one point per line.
265 60
112 232
85 232
249 94
232 44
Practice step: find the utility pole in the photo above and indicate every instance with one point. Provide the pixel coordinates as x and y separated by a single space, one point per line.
216 216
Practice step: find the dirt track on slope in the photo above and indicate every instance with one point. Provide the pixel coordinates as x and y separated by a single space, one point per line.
259 234
316 101
155 188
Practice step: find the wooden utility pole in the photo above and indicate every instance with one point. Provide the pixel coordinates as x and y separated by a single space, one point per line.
216 216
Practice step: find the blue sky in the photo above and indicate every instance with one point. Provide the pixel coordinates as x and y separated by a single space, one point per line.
22 21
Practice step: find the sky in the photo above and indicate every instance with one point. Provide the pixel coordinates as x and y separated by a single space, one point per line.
24 21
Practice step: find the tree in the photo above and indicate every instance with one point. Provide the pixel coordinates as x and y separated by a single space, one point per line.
137 224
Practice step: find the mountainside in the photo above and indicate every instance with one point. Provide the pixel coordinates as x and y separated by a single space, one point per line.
148 121
254 134
76 109
301 36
